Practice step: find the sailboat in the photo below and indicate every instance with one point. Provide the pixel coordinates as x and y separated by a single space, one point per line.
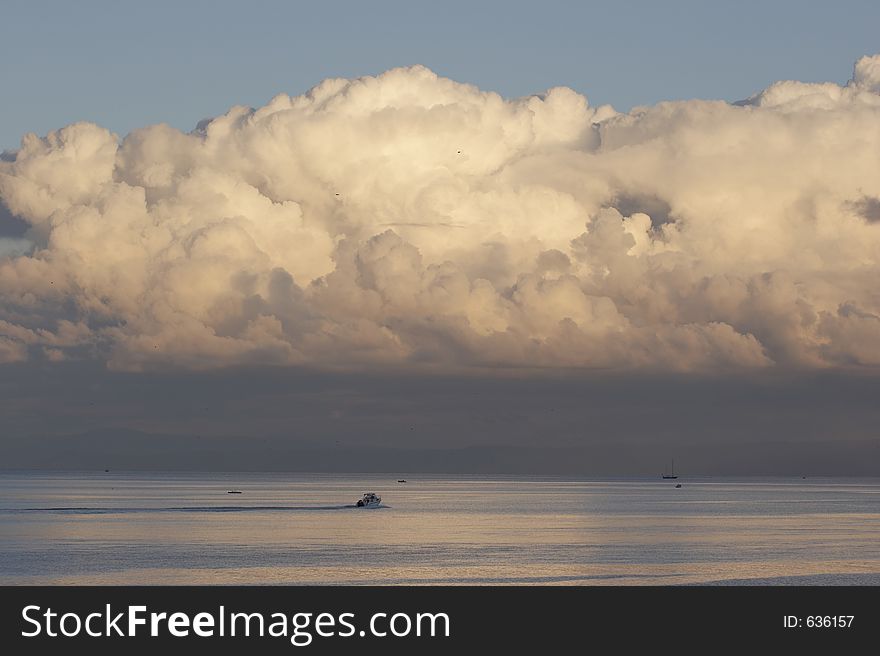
672 474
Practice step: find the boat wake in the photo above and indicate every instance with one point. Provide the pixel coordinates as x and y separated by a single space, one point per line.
178 509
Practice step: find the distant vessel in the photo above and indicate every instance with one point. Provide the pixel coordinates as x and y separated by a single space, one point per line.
672 473
678 485
233 491
369 500
401 480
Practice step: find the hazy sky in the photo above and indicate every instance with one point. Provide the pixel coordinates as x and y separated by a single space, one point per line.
80 416
408 268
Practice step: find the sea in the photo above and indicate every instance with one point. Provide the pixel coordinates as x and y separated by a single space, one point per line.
185 528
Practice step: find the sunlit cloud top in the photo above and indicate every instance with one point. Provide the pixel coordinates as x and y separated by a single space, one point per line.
408 221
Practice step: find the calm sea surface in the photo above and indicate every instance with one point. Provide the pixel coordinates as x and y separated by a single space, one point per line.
138 528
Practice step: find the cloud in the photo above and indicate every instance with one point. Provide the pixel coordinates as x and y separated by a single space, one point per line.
410 221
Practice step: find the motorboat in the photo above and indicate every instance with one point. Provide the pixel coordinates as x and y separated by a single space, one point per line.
369 500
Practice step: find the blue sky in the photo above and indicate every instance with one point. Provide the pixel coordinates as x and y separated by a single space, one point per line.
128 64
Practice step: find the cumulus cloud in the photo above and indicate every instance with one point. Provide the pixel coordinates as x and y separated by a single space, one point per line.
410 221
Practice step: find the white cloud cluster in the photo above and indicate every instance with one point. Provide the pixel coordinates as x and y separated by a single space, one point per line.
407 220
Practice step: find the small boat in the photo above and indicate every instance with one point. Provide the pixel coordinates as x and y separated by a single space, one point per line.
678 485
671 475
369 500
401 480
233 491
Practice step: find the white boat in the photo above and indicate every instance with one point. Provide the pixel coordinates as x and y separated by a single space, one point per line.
369 500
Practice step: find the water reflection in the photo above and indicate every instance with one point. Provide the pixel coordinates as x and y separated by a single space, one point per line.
160 528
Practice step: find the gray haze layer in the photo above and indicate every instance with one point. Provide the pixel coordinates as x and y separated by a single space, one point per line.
79 416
